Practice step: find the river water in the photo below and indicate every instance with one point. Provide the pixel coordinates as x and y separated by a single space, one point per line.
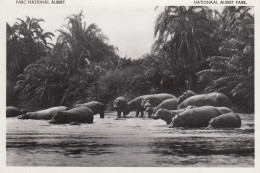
127 142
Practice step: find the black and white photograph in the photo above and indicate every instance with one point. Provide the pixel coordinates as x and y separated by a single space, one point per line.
119 85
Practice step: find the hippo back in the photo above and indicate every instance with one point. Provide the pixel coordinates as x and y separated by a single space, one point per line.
198 101
136 103
12 111
45 114
195 117
224 110
170 104
81 114
229 120
95 106
186 95
222 99
156 99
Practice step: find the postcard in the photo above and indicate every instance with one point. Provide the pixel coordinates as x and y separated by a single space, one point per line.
129 86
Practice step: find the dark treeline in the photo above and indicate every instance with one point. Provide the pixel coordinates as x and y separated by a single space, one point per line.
196 48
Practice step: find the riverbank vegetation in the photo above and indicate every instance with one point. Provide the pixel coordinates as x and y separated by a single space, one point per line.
196 48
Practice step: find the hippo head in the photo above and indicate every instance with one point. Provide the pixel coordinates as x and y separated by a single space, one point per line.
115 104
144 102
177 121
147 104
60 118
186 95
24 116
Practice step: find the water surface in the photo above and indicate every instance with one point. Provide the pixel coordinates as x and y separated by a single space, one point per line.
127 142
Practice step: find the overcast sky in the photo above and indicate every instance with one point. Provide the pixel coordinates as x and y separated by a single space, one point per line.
130 28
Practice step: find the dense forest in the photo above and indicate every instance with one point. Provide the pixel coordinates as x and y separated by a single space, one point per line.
195 48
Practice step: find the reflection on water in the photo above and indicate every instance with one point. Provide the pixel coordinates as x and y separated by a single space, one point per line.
127 142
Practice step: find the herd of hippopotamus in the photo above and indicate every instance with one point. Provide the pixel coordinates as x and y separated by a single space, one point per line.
189 110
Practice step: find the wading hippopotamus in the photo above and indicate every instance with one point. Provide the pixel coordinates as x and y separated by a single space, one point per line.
222 99
169 104
135 104
138 103
155 99
96 107
120 105
45 114
12 111
197 117
211 99
228 120
186 95
81 114
166 115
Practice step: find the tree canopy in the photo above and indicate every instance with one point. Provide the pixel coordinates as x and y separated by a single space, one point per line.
195 48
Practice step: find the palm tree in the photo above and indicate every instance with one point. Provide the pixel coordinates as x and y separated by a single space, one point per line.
42 83
232 72
26 42
33 37
184 34
62 78
80 44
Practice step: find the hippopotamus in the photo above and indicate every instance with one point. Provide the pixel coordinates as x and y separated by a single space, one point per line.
12 111
81 114
96 107
186 95
169 104
154 99
135 104
221 98
197 117
227 120
166 115
45 114
120 105
211 99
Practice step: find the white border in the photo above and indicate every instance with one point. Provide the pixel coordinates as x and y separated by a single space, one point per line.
4 168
